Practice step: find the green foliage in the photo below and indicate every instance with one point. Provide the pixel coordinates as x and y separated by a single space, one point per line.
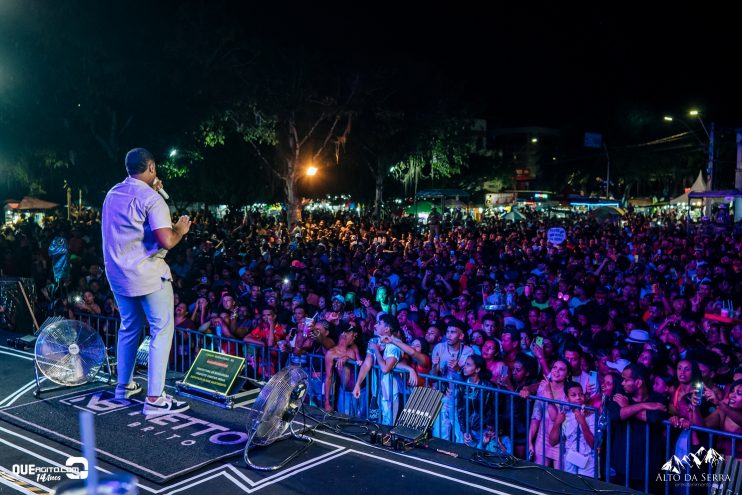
170 169
443 150
247 121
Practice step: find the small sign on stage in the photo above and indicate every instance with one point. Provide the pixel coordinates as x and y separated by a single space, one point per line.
556 235
214 371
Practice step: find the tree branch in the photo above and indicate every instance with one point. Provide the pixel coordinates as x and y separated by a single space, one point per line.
330 133
311 131
266 163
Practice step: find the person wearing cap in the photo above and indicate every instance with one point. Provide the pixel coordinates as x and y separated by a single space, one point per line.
638 336
137 232
448 359
618 365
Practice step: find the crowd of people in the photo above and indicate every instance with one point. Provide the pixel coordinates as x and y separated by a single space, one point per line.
625 324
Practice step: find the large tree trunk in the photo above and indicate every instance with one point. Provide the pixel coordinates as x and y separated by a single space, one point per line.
293 208
379 195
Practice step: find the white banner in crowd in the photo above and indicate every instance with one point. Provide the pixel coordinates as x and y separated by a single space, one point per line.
556 235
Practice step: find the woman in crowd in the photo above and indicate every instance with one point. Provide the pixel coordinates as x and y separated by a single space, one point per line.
544 414
474 403
417 356
491 355
727 417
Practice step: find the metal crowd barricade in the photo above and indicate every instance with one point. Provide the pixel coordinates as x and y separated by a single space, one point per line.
671 449
107 326
262 362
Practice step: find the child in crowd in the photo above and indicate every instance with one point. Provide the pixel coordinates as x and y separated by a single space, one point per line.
574 428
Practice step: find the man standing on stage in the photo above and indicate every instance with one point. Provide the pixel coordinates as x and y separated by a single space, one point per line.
137 232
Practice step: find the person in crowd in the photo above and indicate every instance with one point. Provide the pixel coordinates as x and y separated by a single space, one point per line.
410 330
87 304
544 414
387 356
417 356
727 417
629 413
448 359
574 428
266 334
185 346
473 403
336 364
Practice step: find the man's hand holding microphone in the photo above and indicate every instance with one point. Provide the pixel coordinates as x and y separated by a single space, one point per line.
183 225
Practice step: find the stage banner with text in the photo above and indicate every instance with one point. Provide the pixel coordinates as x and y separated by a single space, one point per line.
214 371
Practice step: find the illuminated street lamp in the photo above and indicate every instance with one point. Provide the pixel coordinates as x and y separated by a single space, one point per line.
708 143
670 119
173 152
311 171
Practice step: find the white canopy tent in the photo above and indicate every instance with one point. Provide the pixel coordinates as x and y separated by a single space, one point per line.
698 186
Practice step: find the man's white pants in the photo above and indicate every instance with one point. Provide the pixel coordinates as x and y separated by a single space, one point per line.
157 309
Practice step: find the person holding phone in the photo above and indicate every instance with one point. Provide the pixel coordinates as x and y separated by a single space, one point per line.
448 359
544 414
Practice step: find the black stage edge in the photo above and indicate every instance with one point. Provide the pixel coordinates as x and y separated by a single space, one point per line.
337 463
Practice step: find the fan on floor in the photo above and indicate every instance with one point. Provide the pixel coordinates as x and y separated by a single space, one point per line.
69 353
273 412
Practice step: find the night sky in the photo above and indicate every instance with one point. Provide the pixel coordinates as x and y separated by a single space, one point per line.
587 67
533 64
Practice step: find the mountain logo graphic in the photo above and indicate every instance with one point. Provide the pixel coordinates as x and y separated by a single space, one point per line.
695 459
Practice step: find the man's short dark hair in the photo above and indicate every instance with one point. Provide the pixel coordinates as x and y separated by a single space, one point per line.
391 322
489 316
514 334
639 372
458 324
570 385
136 161
572 347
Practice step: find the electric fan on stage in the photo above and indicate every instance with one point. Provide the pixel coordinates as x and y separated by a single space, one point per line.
69 353
273 412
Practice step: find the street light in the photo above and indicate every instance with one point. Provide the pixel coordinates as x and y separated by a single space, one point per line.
670 119
173 152
697 115
311 171
709 143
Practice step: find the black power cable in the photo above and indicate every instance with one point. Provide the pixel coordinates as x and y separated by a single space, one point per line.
503 460
494 460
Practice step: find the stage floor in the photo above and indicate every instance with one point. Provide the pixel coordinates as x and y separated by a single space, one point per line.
334 464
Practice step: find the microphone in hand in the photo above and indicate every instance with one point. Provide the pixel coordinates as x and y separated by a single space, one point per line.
157 186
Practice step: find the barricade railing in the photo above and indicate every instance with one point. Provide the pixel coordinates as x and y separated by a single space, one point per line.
683 446
107 326
481 416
